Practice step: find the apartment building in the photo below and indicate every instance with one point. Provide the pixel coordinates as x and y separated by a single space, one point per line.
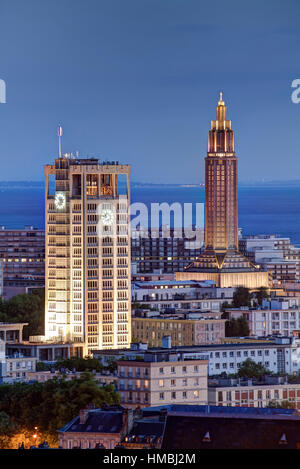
278 354
275 254
183 328
13 366
88 253
162 379
43 376
171 295
23 256
280 317
239 394
251 244
18 368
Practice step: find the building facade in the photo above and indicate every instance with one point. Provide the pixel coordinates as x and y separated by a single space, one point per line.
250 395
275 254
23 255
143 383
102 428
14 366
165 249
182 329
272 319
88 253
279 355
188 294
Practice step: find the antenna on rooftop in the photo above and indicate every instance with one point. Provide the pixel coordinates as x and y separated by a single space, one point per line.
60 132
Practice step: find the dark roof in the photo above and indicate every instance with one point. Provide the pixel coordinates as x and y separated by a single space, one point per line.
147 427
267 343
99 421
221 431
209 410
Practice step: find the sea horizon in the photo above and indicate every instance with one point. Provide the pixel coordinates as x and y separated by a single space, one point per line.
263 209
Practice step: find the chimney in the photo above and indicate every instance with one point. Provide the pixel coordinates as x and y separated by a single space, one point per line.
127 418
83 414
163 414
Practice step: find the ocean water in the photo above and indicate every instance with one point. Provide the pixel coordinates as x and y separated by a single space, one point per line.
262 209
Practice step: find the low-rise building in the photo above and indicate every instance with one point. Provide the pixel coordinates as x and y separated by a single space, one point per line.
291 289
18 368
162 378
274 253
275 317
146 432
96 428
183 328
13 366
278 354
36 346
166 295
43 376
233 392
12 333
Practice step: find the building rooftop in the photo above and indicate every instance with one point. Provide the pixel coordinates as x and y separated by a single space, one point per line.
214 427
135 349
219 410
102 420
174 283
147 430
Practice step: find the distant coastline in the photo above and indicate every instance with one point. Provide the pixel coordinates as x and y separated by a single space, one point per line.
14 185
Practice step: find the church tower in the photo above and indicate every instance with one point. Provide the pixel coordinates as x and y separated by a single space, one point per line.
221 214
221 260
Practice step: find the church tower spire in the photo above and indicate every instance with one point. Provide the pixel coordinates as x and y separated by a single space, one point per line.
221 260
221 223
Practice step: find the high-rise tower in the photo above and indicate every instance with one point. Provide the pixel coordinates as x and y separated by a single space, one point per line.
221 226
88 253
221 261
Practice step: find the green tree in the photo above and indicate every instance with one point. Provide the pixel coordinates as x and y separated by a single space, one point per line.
281 405
243 326
42 366
112 365
241 297
261 294
79 364
250 369
136 305
28 308
50 405
237 327
225 306
231 328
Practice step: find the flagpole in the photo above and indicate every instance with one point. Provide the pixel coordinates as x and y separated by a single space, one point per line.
59 140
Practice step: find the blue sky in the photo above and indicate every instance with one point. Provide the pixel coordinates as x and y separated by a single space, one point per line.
138 80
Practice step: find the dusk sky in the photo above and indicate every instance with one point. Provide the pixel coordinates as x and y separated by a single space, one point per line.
137 81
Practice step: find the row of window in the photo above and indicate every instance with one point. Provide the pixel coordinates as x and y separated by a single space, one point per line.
232 365
245 353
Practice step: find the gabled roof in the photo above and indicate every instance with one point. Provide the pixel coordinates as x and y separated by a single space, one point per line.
98 421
